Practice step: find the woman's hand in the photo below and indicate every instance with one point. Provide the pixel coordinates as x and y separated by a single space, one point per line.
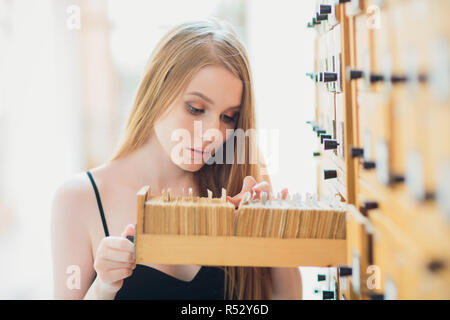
114 262
250 185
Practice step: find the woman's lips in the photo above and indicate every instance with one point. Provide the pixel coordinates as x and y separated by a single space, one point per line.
195 150
197 153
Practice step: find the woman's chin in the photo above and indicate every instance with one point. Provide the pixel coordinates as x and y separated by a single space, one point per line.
191 164
191 167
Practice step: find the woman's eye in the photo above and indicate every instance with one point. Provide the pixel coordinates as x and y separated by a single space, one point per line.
228 119
194 110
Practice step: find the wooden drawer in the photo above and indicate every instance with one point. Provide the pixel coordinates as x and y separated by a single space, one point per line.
389 257
410 34
439 169
415 24
419 221
386 130
422 45
322 54
382 46
406 271
410 109
232 248
389 131
438 172
333 16
329 57
361 49
359 252
340 152
413 120
356 7
336 58
326 111
367 132
329 188
417 39
399 130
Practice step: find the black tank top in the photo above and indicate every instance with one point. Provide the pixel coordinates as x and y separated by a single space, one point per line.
150 283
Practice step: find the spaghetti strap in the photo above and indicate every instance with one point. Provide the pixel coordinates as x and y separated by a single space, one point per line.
148 283
99 203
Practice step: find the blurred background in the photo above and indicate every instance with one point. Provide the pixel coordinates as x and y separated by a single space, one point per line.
68 74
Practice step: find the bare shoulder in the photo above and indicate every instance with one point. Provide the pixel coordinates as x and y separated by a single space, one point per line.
73 198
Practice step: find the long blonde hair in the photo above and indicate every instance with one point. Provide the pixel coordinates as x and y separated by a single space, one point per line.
179 55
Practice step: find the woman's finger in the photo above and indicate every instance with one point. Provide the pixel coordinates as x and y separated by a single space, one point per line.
119 243
117 255
247 185
234 200
261 187
112 264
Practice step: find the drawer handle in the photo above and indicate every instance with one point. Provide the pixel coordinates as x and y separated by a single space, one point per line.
375 296
376 77
324 136
330 144
402 79
345 271
353 74
368 165
329 76
321 17
399 79
318 76
435 265
325 9
314 21
329 174
357 152
368 205
327 295
396 178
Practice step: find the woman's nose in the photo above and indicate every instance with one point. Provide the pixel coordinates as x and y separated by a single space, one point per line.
211 128
212 122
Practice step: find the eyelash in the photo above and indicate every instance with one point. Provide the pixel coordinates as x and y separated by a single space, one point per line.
196 111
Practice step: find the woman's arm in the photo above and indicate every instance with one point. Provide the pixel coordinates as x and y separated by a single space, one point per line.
73 271
286 283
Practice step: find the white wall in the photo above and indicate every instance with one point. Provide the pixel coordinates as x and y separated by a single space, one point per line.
40 97
281 52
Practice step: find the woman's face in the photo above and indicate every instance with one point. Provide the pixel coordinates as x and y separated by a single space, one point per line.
196 126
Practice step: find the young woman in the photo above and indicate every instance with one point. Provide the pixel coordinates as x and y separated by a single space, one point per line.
198 73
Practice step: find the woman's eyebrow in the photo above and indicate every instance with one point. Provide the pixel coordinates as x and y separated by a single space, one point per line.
202 96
